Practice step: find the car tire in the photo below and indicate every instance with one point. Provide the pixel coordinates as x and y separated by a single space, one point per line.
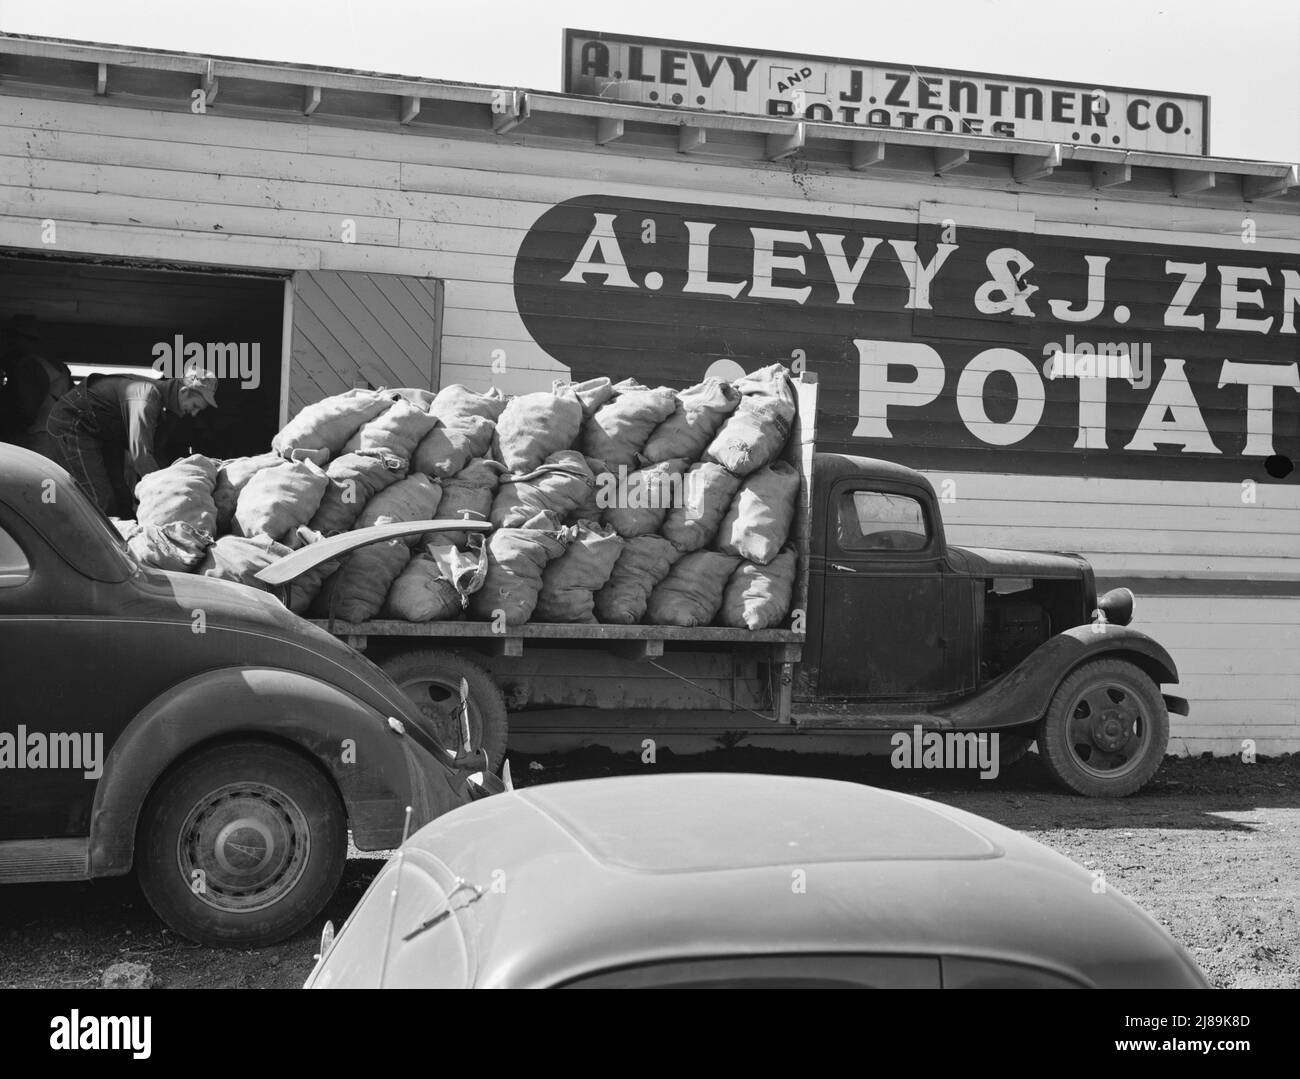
430 677
1106 730
242 843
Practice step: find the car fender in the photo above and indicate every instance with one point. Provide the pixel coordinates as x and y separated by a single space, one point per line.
376 768
1024 692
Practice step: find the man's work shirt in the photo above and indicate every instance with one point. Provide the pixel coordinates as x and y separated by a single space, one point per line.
126 411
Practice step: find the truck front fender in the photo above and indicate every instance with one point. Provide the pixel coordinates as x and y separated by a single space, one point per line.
377 770
1021 696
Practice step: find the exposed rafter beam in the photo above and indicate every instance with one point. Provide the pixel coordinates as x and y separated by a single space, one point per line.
1111 175
783 146
514 113
209 85
410 108
1035 166
866 154
101 80
310 100
1269 187
945 160
608 130
690 139
1187 182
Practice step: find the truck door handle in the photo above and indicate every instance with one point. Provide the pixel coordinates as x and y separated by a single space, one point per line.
846 569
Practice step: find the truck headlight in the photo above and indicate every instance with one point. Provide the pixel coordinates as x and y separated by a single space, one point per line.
1117 605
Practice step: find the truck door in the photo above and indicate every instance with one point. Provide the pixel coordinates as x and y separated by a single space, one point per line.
882 622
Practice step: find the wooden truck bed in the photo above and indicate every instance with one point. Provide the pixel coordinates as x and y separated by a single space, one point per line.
781 647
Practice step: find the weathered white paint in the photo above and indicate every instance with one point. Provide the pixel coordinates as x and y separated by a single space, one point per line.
139 183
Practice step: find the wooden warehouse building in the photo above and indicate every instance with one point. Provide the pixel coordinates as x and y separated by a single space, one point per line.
341 228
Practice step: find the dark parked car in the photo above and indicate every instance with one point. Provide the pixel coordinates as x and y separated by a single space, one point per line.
189 728
738 881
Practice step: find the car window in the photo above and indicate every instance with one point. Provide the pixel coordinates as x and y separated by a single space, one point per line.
880 521
14 567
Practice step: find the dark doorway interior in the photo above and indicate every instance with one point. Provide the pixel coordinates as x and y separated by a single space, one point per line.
97 316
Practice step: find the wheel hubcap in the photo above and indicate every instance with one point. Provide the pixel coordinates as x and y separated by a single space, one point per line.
243 847
1107 732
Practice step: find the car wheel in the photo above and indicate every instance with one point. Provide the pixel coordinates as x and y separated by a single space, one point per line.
1106 730
431 678
242 843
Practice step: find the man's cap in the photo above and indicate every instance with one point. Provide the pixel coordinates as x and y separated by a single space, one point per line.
202 382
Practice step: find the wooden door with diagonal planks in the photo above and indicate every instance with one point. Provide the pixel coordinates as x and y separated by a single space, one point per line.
362 329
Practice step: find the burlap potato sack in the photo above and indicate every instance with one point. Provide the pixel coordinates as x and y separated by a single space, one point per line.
643 499
231 478
517 558
277 500
619 429
237 558
642 564
398 430
758 597
700 413
536 425
708 490
354 478
761 515
321 430
450 446
180 492
178 546
456 403
559 486
691 594
468 494
414 498
756 433
358 590
569 583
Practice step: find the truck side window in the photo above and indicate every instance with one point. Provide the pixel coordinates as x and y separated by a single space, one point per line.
14 567
876 521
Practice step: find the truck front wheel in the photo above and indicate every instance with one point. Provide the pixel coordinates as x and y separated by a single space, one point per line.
431 678
1105 731
241 843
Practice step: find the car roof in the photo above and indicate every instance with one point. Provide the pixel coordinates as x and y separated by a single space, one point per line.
742 821
597 874
829 467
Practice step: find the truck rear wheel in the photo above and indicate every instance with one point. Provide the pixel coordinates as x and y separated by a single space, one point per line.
431 678
242 843
1106 730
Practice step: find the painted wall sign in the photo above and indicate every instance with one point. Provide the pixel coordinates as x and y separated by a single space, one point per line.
688 75
940 345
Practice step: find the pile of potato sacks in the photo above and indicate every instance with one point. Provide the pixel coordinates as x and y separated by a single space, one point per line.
612 503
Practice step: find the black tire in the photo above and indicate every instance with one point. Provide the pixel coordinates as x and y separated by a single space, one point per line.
430 677
1106 730
216 810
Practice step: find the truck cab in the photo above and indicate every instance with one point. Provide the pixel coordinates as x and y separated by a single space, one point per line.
903 626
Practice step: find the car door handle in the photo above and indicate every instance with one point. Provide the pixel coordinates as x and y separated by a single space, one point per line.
845 569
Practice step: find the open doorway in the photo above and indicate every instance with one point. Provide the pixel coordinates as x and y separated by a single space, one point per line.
119 317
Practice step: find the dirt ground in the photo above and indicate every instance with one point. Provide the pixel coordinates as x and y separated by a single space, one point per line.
1211 849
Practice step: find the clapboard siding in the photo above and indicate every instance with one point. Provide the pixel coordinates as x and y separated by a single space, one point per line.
217 190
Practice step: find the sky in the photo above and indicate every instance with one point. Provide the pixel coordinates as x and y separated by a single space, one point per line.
1245 54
